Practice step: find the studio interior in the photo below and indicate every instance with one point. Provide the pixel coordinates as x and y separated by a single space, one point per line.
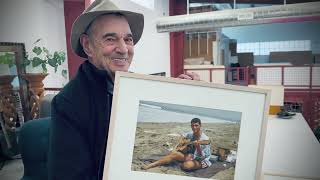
258 44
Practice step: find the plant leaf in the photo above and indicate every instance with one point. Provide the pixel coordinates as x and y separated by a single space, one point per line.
52 62
62 56
64 73
37 50
37 41
36 61
44 67
26 62
45 50
56 57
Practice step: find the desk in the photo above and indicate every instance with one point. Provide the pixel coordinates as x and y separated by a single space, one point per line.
291 151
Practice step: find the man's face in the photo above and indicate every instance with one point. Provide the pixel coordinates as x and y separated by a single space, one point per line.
110 44
196 127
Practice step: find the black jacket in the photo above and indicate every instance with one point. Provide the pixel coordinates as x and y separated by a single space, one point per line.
79 126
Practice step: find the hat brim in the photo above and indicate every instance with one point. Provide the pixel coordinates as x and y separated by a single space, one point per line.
135 21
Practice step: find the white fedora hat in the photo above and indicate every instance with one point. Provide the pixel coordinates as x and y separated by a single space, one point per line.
97 8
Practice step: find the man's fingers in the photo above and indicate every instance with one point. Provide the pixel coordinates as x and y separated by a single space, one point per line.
184 76
194 76
190 76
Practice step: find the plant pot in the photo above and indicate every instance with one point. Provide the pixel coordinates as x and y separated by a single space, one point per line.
35 82
34 70
35 93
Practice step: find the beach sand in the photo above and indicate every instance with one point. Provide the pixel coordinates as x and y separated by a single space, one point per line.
154 140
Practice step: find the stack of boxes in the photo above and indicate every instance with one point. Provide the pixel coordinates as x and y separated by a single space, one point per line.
198 48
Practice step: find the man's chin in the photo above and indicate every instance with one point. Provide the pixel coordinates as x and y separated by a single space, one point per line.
122 70
119 70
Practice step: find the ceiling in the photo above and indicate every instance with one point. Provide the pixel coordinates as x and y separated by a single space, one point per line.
252 1
74 0
239 1
240 17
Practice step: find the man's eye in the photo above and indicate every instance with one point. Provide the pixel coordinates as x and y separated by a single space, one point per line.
110 39
129 40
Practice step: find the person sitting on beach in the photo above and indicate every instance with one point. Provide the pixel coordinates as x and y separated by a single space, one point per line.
193 150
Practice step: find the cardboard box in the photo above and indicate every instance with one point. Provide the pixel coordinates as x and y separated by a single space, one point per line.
203 41
194 45
211 38
276 99
233 47
187 51
317 58
199 9
245 59
296 58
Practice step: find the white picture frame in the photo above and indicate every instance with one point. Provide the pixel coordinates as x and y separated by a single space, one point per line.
130 90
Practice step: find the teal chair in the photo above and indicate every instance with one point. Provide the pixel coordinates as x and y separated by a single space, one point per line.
33 144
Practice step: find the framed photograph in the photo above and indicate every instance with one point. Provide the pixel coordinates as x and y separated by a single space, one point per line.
175 129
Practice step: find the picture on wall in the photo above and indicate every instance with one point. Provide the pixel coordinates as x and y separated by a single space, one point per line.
166 136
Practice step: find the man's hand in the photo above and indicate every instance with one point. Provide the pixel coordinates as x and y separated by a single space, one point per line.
196 142
190 76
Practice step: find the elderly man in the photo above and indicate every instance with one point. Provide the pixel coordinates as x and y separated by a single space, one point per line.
105 36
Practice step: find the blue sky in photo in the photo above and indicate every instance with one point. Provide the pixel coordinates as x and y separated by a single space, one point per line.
163 112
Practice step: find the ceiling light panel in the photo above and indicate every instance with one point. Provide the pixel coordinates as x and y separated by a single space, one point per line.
237 17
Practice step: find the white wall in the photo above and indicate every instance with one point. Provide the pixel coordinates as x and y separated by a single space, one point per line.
26 21
152 53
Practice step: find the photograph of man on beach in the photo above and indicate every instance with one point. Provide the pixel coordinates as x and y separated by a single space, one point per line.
186 140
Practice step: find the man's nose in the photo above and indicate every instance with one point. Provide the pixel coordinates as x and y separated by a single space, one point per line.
122 47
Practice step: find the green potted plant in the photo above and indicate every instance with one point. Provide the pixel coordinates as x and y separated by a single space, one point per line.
41 56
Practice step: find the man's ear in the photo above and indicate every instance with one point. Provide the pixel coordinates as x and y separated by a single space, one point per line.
85 42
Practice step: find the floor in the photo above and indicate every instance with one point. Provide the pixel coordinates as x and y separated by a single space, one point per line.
11 170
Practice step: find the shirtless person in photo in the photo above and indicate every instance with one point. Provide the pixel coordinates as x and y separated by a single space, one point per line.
193 150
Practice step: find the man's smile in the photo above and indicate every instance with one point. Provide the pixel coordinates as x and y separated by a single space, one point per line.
120 61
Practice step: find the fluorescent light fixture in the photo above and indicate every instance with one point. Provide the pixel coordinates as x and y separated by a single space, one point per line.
238 17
